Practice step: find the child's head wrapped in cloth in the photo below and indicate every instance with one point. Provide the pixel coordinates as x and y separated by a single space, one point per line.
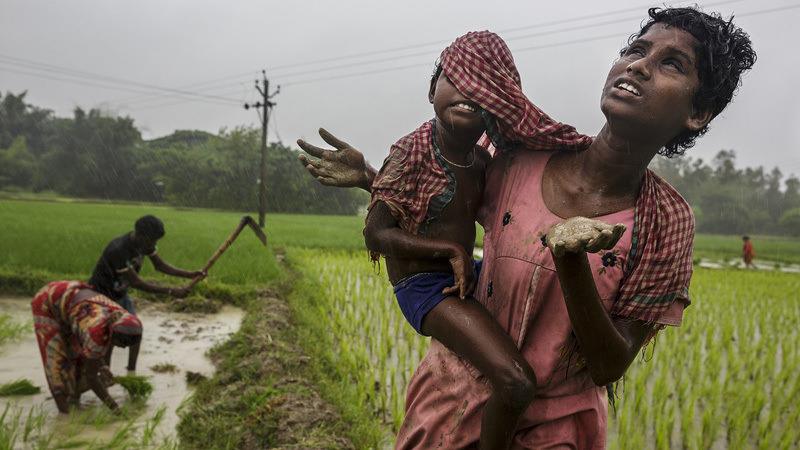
414 181
481 67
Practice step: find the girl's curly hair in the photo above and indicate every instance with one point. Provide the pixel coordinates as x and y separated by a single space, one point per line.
724 52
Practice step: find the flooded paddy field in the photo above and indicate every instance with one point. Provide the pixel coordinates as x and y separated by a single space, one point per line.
170 339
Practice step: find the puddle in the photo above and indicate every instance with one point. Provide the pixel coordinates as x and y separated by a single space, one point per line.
181 339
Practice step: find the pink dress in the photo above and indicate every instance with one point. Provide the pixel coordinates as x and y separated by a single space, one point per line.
519 286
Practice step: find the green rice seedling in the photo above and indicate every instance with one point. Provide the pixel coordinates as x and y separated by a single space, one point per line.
164 368
10 330
18 429
731 368
138 387
149 430
19 387
194 378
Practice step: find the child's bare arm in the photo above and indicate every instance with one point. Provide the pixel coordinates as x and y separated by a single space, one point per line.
383 235
343 167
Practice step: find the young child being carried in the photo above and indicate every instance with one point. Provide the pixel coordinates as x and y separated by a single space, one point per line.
424 204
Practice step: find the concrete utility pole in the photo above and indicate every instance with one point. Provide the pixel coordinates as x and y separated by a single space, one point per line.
266 107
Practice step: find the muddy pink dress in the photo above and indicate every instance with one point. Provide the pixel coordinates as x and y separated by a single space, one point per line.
520 288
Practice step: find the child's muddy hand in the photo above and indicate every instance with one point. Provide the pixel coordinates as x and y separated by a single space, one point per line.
580 234
343 167
464 274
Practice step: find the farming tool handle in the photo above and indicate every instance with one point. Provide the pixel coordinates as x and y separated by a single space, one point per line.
246 221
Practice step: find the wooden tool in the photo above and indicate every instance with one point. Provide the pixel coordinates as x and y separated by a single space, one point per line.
246 221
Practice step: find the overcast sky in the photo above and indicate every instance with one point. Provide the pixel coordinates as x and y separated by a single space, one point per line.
117 52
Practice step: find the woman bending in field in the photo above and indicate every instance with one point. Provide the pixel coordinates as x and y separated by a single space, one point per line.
75 328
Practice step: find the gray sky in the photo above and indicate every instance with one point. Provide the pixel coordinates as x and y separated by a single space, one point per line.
181 44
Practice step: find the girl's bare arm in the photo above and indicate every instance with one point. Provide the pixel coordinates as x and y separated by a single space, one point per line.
609 346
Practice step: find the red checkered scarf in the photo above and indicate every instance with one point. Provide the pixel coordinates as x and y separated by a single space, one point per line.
659 264
480 65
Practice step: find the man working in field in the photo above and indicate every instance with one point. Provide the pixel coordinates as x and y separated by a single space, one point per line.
119 265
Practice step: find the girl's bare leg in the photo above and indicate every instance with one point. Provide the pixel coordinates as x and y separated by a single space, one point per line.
466 328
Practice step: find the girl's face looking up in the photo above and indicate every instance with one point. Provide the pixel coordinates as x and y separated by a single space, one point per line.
454 111
649 90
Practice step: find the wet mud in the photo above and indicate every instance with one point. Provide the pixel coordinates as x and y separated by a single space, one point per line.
170 338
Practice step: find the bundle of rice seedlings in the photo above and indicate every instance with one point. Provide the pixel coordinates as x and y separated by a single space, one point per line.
19 387
194 378
164 368
137 386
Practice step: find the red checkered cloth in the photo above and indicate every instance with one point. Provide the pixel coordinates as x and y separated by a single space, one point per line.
480 65
660 261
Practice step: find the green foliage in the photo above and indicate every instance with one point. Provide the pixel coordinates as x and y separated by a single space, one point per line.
33 429
95 155
18 166
260 395
19 387
729 200
10 330
727 375
365 351
57 240
790 221
138 387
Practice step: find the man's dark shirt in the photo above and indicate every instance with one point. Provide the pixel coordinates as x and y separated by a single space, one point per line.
119 256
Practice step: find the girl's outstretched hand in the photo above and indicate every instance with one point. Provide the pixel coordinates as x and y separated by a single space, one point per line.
343 167
580 234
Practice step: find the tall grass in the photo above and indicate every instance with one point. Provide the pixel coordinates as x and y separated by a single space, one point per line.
66 239
727 377
34 429
367 340
10 330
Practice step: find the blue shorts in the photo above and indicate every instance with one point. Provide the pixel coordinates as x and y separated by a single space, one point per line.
418 294
127 303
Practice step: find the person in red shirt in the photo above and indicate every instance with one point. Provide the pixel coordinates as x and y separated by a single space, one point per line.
748 253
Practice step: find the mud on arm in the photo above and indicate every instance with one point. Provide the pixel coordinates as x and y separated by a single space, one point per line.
609 346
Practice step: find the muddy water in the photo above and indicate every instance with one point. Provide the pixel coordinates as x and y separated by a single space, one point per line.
176 338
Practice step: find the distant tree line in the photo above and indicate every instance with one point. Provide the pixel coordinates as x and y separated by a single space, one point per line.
94 155
727 199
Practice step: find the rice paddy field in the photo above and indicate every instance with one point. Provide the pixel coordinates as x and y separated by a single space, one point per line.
727 378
